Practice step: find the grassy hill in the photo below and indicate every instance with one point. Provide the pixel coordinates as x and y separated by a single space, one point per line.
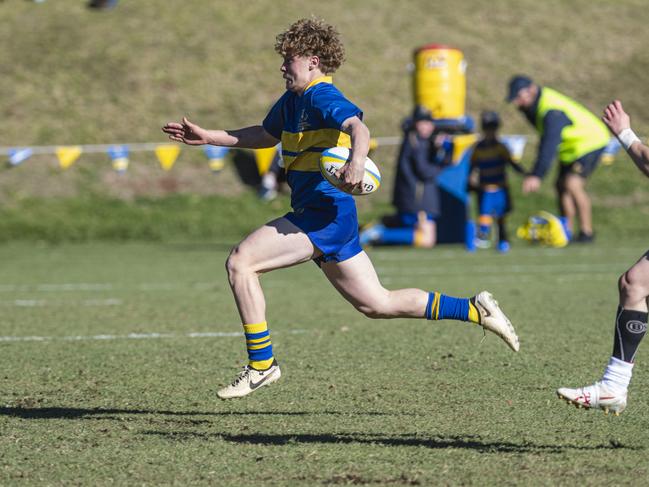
71 75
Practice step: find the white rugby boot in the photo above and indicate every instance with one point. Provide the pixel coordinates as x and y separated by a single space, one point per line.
493 319
596 396
249 380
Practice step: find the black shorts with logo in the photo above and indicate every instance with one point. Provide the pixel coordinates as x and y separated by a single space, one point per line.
584 166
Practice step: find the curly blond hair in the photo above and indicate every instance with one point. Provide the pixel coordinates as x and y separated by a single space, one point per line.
312 37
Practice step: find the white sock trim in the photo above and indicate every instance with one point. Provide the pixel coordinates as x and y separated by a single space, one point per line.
617 374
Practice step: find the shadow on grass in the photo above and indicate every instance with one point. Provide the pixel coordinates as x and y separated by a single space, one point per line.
469 442
105 413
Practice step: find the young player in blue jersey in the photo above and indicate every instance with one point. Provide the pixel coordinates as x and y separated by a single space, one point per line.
490 159
313 115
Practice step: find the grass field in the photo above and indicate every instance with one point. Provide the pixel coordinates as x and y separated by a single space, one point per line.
111 355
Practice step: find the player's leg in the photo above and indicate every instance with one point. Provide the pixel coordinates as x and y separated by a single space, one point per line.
630 324
402 232
425 232
276 245
485 220
566 202
576 188
610 393
502 208
503 238
356 280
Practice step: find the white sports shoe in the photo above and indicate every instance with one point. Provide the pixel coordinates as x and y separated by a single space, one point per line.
249 380
493 319
596 396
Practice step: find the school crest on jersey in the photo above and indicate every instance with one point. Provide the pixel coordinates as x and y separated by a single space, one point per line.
303 123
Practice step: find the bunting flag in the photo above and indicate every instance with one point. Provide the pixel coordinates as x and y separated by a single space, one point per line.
611 149
264 158
215 157
68 155
167 155
19 154
459 145
515 144
119 156
373 143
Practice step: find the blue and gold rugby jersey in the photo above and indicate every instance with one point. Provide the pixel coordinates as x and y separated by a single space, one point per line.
491 159
307 125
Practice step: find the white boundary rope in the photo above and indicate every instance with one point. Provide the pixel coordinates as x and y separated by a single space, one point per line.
138 146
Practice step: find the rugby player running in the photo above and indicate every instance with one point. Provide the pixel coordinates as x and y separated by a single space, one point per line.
311 116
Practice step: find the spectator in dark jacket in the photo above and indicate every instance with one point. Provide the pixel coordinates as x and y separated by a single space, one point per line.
416 198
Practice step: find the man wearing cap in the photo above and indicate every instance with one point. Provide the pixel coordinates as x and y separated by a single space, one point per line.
572 132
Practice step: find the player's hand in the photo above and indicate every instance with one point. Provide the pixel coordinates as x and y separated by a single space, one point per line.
531 184
186 132
351 174
616 118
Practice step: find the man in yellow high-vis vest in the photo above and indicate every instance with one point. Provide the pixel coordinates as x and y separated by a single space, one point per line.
569 131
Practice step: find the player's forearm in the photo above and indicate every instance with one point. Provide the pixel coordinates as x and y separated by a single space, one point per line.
360 136
517 167
547 150
639 153
253 137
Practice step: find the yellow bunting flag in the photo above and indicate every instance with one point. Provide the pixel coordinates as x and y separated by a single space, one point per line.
216 165
167 155
264 158
68 155
373 143
461 143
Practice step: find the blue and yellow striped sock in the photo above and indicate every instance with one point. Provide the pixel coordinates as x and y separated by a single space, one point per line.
443 307
260 349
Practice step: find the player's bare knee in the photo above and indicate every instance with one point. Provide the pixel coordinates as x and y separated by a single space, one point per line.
633 285
236 264
373 310
370 312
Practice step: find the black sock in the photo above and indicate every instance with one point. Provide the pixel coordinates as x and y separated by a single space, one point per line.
630 327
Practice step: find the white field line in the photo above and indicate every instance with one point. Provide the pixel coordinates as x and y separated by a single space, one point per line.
391 279
435 255
135 336
504 270
101 287
560 271
35 303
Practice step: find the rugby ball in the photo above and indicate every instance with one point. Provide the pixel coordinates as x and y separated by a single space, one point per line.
333 159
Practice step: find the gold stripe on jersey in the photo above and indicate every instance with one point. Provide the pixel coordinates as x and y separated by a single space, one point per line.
487 153
295 147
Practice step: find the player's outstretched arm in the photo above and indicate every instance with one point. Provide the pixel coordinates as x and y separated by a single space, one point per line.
254 137
619 123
